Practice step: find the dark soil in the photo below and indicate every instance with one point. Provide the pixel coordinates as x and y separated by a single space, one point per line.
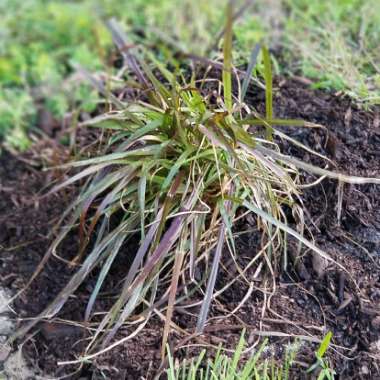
309 301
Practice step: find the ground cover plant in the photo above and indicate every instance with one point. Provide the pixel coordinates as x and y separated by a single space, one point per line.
339 55
38 42
334 43
41 41
177 167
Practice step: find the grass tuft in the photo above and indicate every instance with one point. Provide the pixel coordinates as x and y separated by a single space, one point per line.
177 166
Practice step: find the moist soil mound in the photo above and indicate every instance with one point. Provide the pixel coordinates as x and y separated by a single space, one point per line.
311 300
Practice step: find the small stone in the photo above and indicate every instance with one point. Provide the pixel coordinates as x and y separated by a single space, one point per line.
4 299
5 350
53 331
15 367
375 347
364 370
320 264
6 326
376 322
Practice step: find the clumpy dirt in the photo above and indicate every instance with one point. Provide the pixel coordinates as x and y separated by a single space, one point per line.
308 301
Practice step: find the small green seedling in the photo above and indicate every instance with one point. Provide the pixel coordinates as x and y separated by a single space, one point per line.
321 362
244 364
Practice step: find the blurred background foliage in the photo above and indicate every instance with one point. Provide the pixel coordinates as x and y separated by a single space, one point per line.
335 43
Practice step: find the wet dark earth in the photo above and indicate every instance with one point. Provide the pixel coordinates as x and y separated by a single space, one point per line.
311 299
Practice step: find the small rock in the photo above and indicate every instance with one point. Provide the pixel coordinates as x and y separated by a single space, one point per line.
364 370
302 271
52 331
332 145
15 368
6 326
375 347
4 299
320 264
376 322
5 350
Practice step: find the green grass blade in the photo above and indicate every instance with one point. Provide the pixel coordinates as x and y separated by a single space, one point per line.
251 364
114 250
268 90
113 158
233 367
268 83
324 345
170 372
86 172
141 196
227 57
159 87
176 167
112 196
274 122
229 225
140 132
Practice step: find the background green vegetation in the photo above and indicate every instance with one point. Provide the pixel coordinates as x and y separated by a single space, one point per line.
333 42
336 43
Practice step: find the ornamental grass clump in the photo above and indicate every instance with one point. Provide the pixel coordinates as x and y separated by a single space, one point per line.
177 165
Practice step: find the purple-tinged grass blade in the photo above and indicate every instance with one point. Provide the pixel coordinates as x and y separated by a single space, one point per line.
235 17
132 273
251 65
122 44
166 243
99 86
211 282
179 256
75 281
